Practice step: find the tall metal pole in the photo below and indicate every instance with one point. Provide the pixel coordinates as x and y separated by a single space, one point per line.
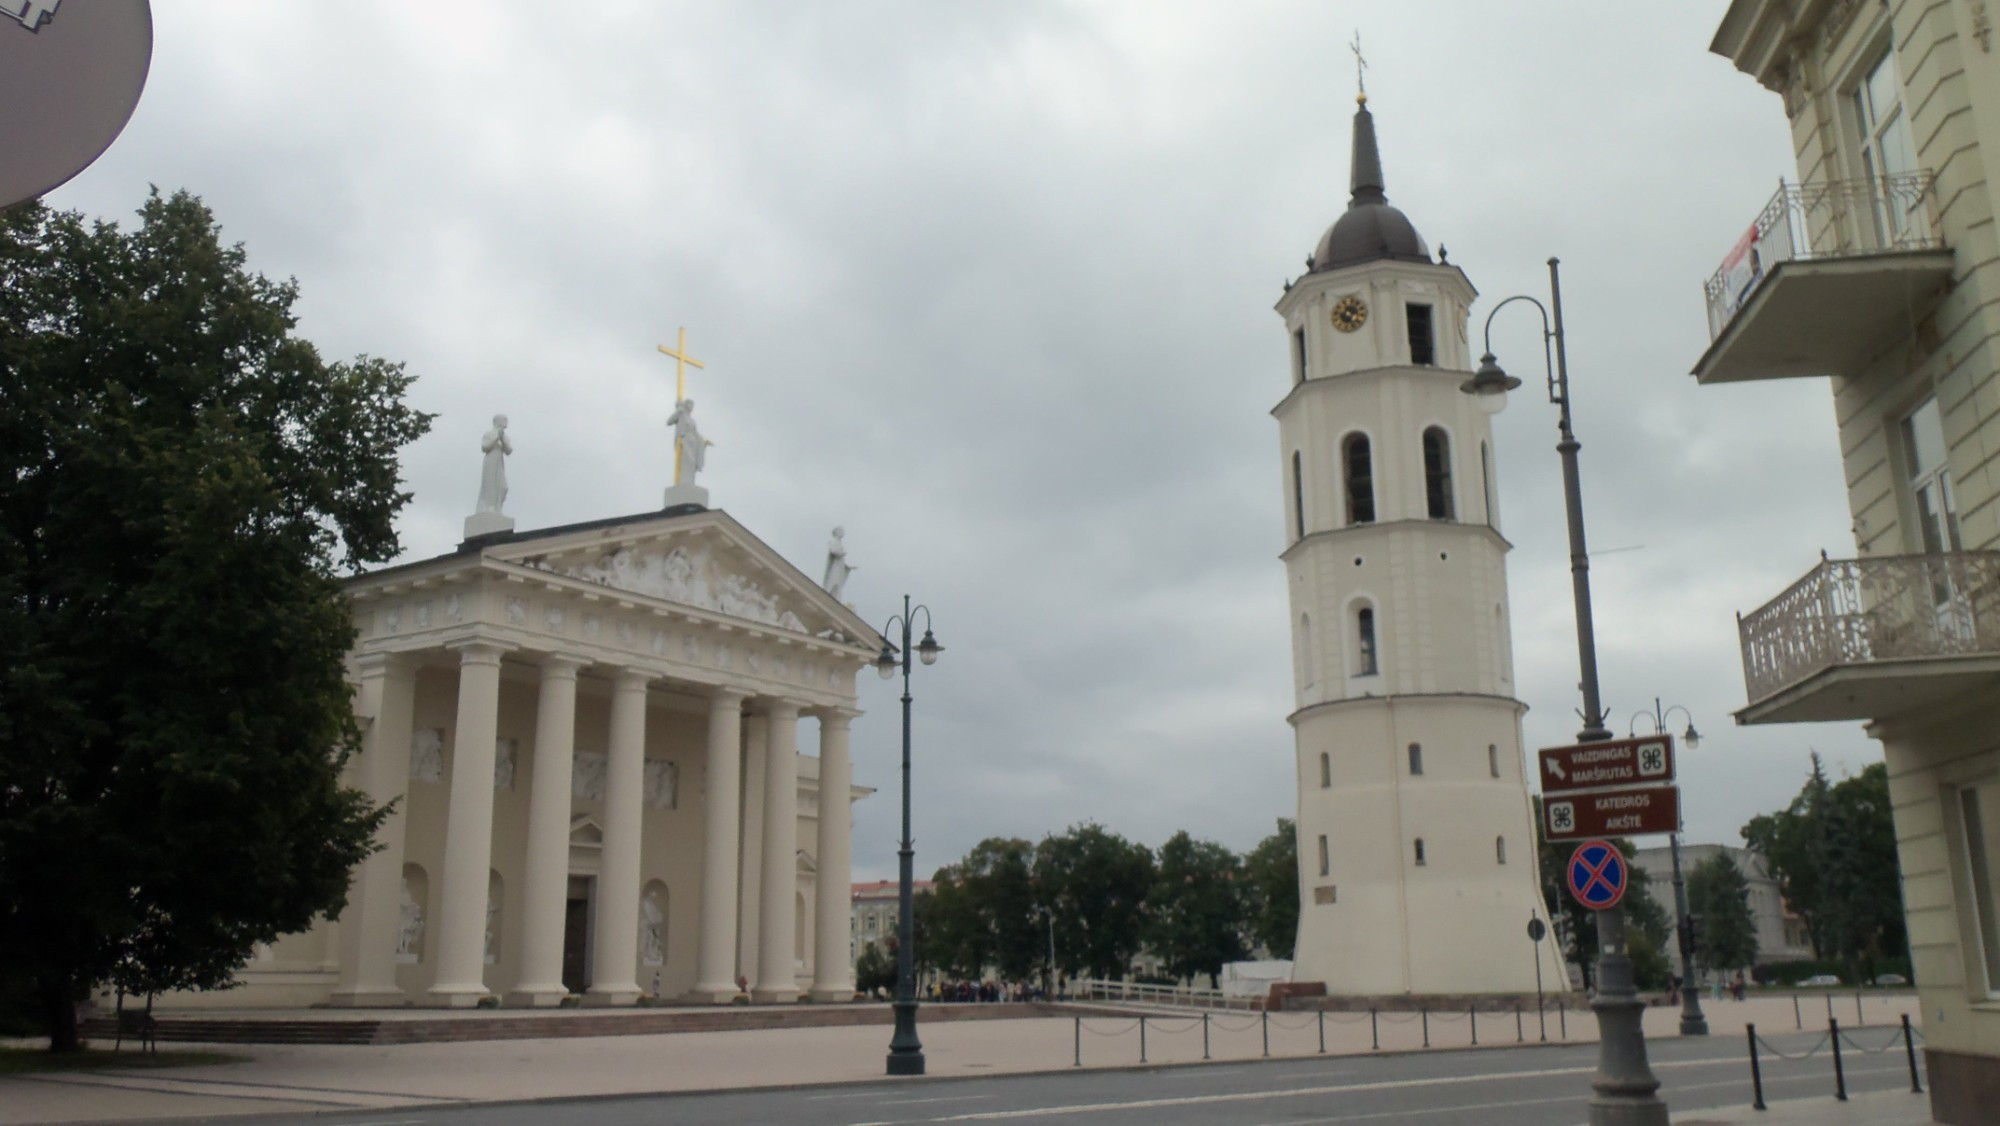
906 1052
1625 1085
1693 1021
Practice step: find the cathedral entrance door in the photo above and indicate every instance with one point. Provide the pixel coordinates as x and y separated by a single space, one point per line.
576 934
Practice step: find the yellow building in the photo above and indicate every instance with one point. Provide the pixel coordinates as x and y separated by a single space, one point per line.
1880 270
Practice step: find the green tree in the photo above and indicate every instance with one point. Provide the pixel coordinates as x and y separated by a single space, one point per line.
875 969
1833 853
1198 910
1273 872
1719 895
180 476
1096 883
955 941
1795 848
999 875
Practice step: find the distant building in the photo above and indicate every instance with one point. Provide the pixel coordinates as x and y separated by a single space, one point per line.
875 914
1781 935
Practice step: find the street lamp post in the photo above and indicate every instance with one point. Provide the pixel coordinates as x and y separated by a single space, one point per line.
906 1052
1625 1085
1693 1023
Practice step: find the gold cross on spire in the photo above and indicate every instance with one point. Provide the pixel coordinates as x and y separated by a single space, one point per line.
1360 69
681 362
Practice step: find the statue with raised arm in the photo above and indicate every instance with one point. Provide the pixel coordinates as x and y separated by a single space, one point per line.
690 448
837 566
493 475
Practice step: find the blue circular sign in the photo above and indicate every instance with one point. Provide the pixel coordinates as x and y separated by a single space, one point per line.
1597 875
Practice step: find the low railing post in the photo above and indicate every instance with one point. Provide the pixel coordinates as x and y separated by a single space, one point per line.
1520 1036
1910 1050
1472 1015
1756 1073
1562 1017
1427 1026
1839 1072
1266 1021
1142 1038
1204 1036
1079 1043
1860 1018
1322 1030
1796 1016
1374 1038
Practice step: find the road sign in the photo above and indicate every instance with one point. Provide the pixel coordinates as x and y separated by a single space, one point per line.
1537 930
1619 762
1597 875
1632 811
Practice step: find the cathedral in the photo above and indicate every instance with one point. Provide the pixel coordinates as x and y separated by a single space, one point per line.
1416 839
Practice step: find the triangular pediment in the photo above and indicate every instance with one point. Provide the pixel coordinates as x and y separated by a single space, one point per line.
702 560
587 832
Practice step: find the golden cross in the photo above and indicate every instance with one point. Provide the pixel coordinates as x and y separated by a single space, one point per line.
681 362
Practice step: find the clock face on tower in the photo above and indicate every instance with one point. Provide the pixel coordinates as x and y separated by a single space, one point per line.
1349 313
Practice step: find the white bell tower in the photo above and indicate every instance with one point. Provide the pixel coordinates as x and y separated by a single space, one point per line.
1417 866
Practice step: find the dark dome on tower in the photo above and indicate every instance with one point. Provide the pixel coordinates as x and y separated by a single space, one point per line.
1370 229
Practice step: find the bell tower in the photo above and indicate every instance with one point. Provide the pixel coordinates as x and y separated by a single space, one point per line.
1416 842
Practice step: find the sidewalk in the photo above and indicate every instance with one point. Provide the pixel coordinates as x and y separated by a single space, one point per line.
1885 1109
296 1078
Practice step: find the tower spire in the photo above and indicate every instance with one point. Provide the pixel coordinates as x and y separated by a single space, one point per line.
1366 184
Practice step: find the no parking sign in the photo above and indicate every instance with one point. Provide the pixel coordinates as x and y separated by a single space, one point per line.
1597 875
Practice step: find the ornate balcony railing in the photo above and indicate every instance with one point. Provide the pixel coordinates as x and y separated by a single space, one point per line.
1825 219
1858 611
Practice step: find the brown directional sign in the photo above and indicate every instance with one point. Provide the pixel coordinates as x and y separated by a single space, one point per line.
1629 812
1617 762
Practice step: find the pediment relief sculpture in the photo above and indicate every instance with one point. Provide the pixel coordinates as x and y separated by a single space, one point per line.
689 575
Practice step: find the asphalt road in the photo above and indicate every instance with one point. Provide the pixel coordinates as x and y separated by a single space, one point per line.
1492 1087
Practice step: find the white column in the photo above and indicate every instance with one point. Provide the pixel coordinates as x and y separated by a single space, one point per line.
545 876
777 977
750 860
371 924
833 968
468 829
614 962
715 963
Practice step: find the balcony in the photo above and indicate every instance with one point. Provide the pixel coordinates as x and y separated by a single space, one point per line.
1874 638
1829 277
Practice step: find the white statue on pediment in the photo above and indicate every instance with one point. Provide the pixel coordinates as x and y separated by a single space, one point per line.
690 448
837 566
493 473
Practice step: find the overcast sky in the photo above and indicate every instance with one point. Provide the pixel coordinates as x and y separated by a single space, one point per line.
991 286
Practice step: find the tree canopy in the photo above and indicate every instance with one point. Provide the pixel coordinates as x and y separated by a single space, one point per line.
1719 895
1272 869
180 479
1200 908
1833 853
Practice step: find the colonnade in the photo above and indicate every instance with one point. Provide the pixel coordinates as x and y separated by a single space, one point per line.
369 927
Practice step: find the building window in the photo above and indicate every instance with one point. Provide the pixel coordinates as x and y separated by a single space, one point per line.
1325 858
1416 758
1420 852
1298 355
1437 473
1359 469
1931 497
1325 770
1493 759
1885 148
1977 808
1423 349
1500 850
1298 496
1364 631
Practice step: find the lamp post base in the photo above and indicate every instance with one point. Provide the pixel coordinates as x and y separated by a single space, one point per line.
906 1052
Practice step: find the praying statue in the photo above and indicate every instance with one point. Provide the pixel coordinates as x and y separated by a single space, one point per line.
493 475
837 566
690 448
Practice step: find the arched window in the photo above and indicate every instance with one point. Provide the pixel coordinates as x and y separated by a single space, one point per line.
1325 770
1493 760
1500 850
1305 658
1437 473
1325 857
1298 497
1416 758
1364 641
1358 470
1420 852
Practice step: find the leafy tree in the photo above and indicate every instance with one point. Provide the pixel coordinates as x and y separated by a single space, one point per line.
1272 869
1719 895
875 969
178 475
1198 908
1833 853
955 941
999 875
1096 883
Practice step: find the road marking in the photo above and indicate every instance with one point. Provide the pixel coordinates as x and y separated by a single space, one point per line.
941 1099
843 1095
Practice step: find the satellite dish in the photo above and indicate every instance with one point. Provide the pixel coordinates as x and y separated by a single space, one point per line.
70 76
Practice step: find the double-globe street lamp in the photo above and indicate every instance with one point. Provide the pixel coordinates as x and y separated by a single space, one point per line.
906 1052
1625 1085
1693 1023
